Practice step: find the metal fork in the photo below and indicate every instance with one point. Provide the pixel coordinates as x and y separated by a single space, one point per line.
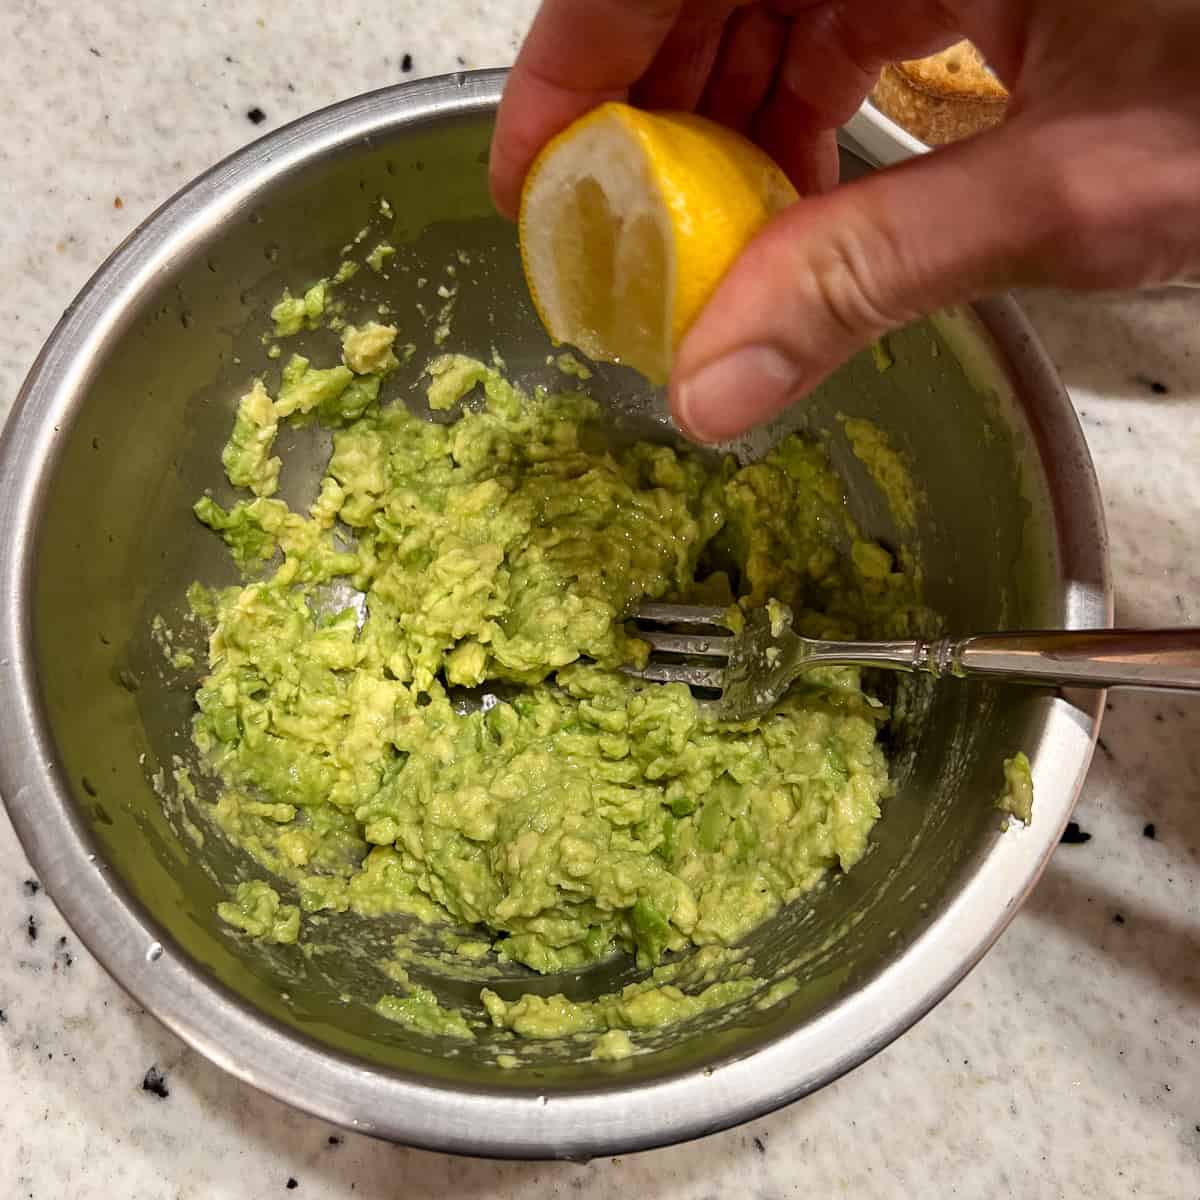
752 668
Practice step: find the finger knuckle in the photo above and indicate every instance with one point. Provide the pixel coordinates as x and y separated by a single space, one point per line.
850 269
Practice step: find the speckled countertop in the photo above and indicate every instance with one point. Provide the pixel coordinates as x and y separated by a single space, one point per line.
1066 1064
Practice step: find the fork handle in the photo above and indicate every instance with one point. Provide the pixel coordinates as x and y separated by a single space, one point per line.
1140 658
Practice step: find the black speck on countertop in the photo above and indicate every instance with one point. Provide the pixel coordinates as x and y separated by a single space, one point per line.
1118 919
32 887
334 1140
292 1184
1074 836
256 116
3 1016
155 1082
758 1145
406 63
1102 745
31 928
93 51
1149 831
1156 386
63 958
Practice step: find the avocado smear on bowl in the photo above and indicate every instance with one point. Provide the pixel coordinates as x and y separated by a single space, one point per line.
575 813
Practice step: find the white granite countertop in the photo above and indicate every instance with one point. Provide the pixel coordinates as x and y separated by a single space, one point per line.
1066 1064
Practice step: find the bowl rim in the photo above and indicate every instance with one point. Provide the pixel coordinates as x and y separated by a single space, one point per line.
517 1122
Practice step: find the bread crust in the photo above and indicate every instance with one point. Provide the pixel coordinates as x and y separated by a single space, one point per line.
943 98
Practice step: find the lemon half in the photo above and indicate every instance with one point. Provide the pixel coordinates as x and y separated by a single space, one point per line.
629 220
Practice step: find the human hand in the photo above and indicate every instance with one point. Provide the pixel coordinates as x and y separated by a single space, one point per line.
1093 182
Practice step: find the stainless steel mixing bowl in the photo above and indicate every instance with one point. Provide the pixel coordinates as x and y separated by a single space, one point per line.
118 430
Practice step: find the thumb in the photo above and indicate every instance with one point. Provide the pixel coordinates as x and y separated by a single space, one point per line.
833 272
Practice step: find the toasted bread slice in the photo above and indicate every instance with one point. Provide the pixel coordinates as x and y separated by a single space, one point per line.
942 98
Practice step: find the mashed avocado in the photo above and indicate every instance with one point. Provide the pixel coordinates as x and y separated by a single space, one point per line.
259 912
577 812
1017 796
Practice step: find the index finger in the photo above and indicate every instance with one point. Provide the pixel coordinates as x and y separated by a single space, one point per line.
578 54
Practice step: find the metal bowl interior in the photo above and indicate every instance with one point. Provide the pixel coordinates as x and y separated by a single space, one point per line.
118 430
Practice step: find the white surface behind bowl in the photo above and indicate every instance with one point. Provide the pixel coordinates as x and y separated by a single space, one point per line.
880 138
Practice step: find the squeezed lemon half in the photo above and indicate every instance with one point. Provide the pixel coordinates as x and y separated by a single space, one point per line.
628 221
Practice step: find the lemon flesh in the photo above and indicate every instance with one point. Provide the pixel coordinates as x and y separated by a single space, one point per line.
628 222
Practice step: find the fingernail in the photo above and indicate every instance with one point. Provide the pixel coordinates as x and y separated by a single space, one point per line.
732 394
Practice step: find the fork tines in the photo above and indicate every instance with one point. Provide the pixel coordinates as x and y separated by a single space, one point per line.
682 646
